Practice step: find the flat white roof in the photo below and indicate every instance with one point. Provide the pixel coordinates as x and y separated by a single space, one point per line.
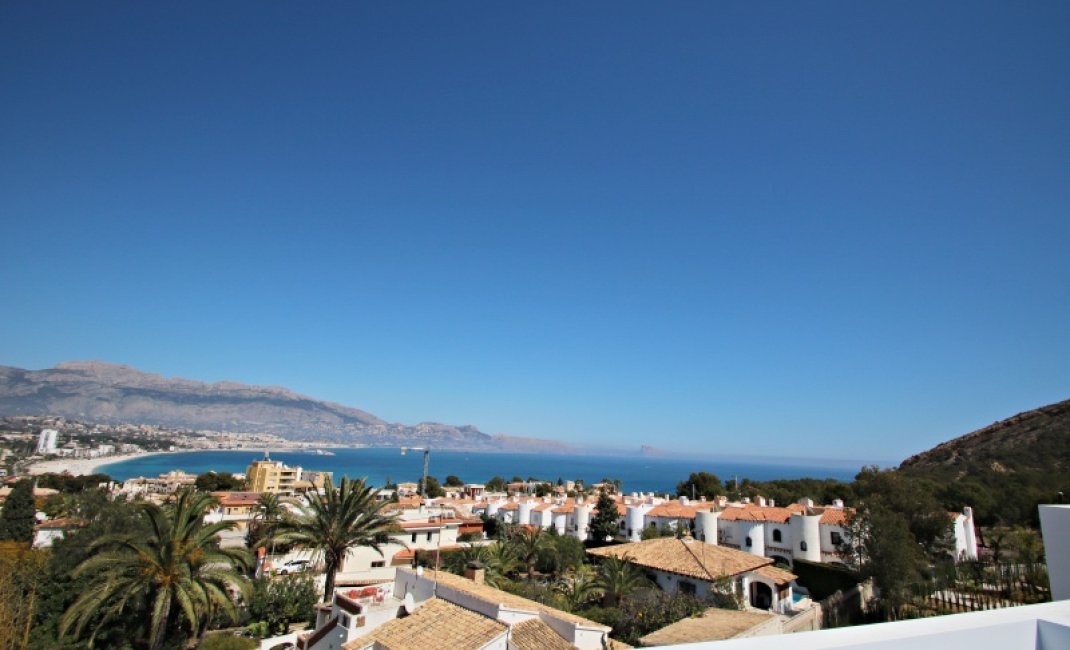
1030 627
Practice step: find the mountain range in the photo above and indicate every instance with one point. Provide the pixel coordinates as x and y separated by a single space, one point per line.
96 391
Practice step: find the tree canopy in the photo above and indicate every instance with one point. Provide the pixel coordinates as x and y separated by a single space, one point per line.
605 524
17 515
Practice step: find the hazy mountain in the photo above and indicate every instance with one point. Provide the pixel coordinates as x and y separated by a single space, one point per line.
103 392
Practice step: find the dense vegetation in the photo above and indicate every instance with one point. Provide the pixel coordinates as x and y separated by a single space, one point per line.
1003 470
103 581
555 570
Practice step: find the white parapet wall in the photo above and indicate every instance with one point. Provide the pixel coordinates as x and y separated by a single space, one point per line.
1031 627
1055 526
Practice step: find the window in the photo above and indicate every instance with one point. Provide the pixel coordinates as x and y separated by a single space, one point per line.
687 587
429 536
414 538
837 539
776 535
378 564
749 543
802 546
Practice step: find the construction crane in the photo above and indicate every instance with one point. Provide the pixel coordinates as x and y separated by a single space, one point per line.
427 460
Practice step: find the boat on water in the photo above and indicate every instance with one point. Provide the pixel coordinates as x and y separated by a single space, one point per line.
321 452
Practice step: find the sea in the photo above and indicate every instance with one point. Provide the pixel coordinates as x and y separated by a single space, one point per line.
384 465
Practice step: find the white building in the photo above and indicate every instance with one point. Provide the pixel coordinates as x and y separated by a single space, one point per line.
1045 626
46 443
440 610
693 567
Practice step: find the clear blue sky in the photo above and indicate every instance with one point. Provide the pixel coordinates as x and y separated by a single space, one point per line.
831 229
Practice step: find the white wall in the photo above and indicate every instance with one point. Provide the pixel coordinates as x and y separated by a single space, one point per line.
1031 627
1055 526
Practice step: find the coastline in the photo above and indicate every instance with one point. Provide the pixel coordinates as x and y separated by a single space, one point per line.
84 466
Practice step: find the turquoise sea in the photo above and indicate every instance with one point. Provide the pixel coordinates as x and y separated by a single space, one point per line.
378 465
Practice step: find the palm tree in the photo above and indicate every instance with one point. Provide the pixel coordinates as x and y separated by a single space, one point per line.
578 587
268 513
456 561
617 577
527 542
499 560
340 519
177 570
268 508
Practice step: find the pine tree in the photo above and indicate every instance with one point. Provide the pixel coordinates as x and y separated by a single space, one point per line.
606 522
17 516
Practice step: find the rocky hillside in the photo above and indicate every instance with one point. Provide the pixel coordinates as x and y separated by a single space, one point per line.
1037 440
108 393
1003 470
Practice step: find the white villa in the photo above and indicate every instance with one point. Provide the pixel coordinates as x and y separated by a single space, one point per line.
784 533
432 609
690 566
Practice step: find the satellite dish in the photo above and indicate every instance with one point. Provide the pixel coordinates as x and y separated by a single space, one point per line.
409 604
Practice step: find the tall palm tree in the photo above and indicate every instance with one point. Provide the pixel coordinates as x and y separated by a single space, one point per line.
177 570
617 577
268 513
340 519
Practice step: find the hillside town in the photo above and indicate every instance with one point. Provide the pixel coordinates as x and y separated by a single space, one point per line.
528 565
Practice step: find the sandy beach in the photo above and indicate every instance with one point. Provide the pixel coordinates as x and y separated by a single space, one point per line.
82 466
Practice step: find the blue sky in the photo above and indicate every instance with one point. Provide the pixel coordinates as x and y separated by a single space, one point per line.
833 230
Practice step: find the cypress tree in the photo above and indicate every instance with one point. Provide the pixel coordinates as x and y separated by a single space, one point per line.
606 522
17 517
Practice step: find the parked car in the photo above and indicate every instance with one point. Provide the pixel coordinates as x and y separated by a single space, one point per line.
294 566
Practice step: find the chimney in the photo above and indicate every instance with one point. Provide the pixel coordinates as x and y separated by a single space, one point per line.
475 572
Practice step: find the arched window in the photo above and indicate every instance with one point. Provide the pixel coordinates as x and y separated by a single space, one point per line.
748 542
776 535
802 546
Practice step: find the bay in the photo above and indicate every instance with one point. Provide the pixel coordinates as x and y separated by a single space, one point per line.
381 465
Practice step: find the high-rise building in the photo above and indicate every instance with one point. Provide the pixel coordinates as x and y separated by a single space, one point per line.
272 476
46 444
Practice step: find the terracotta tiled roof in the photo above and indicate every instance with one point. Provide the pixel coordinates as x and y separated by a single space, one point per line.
778 576
435 624
543 506
714 625
407 554
237 499
751 512
406 503
489 594
512 505
672 510
686 557
419 525
533 634
567 506
836 516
